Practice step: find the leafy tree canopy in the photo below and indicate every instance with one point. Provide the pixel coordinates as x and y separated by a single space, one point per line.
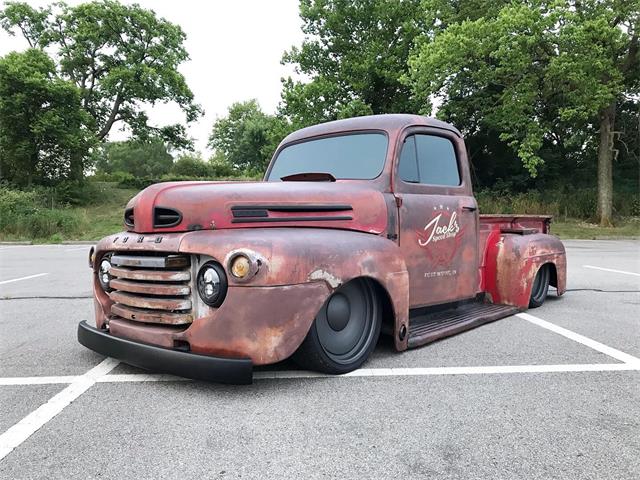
42 126
191 165
530 70
140 159
120 57
355 53
539 72
247 137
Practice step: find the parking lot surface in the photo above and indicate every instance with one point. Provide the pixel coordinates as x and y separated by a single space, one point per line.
553 393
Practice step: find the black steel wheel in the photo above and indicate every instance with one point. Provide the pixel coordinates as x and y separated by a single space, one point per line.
540 287
345 330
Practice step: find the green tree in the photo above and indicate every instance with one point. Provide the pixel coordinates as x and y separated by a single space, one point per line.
121 58
544 74
42 126
355 53
247 137
141 159
191 165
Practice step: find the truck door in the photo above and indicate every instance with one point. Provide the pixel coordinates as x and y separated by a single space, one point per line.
438 216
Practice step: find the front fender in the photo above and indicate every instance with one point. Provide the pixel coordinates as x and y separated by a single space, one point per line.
294 256
267 317
512 262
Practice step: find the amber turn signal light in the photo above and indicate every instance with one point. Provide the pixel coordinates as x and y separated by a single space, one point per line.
240 266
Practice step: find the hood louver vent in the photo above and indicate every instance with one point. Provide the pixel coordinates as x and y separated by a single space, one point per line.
303 213
166 217
128 217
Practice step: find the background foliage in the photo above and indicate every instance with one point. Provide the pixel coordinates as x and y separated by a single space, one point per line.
108 61
546 93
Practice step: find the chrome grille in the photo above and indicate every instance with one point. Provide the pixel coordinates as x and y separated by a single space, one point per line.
151 288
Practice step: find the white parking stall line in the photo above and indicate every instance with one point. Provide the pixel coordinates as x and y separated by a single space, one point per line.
3 282
576 337
9 381
612 270
142 377
419 372
363 372
26 427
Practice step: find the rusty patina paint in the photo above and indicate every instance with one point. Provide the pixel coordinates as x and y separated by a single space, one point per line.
165 303
512 262
208 205
379 229
154 275
151 316
150 288
153 334
308 257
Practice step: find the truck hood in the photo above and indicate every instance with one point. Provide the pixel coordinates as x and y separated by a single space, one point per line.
189 206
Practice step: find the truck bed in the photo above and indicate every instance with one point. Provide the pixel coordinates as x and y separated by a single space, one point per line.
520 224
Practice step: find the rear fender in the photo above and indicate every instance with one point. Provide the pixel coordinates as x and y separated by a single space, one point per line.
512 262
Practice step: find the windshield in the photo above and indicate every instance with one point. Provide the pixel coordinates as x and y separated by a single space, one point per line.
357 156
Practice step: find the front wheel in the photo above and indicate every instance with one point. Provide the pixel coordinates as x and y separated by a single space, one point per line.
540 287
345 330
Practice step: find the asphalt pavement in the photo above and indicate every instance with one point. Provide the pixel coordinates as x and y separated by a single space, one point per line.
555 395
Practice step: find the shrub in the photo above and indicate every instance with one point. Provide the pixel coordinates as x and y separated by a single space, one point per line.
24 215
579 203
116 177
16 202
191 166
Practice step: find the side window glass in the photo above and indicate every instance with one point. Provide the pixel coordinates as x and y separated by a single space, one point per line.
437 164
408 164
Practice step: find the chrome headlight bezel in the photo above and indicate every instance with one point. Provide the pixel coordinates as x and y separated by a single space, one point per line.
104 277
212 284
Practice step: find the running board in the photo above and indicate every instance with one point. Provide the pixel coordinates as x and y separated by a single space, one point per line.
429 327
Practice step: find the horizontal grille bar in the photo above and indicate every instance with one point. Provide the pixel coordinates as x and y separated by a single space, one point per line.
150 275
149 288
151 316
156 303
170 261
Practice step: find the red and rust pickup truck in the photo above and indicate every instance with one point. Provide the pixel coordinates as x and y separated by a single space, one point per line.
361 226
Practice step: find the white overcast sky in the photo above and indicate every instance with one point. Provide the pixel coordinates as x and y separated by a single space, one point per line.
235 48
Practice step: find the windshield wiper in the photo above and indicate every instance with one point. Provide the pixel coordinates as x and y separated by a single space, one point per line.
309 177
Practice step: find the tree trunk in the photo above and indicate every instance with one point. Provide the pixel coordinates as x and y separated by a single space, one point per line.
605 165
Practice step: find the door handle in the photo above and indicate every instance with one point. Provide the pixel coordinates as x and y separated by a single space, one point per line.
469 209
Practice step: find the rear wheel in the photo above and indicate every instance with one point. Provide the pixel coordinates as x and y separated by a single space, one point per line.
540 287
345 330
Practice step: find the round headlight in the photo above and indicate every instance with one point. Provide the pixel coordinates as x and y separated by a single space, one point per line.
240 266
103 274
212 284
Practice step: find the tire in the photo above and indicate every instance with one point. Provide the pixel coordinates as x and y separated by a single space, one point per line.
345 330
540 287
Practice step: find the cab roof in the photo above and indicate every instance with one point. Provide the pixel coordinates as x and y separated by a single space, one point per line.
387 122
